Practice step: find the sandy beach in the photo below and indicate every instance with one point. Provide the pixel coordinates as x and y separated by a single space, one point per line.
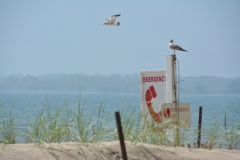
112 151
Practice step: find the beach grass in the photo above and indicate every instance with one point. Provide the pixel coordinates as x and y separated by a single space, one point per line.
79 124
232 135
8 128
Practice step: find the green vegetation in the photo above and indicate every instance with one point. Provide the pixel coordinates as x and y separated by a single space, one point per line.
213 135
8 129
232 135
76 124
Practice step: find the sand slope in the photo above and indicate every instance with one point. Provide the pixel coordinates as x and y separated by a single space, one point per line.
111 151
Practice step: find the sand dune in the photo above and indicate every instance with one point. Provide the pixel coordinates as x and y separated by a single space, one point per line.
112 151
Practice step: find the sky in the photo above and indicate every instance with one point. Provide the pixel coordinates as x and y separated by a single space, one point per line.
55 37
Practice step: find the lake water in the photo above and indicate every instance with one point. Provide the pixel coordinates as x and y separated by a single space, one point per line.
24 104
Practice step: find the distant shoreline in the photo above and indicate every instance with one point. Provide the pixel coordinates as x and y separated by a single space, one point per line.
97 92
113 83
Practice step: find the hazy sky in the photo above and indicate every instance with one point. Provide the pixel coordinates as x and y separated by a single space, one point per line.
45 37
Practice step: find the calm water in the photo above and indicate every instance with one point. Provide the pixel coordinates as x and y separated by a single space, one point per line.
24 104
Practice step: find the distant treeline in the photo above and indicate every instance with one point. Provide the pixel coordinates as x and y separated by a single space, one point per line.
115 83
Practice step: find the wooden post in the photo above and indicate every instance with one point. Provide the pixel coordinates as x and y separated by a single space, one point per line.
199 126
120 134
174 96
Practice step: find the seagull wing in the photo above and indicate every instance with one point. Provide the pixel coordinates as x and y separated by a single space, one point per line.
113 18
175 47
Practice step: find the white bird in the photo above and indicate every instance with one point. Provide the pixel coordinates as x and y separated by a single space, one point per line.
111 21
175 46
93 132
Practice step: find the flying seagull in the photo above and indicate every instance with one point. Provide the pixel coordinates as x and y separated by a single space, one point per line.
175 46
111 21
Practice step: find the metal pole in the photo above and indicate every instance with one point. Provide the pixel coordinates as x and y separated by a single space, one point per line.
120 134
199 126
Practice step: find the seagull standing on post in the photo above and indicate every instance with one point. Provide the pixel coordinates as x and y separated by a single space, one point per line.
111 21
175 46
